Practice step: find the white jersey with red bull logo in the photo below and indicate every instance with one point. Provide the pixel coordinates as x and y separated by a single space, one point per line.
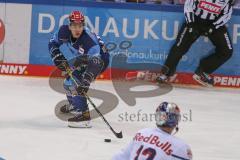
155 144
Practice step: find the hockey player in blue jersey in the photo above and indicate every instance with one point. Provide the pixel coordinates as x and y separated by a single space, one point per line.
91 59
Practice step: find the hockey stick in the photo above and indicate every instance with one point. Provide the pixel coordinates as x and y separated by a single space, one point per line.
178 157
118 135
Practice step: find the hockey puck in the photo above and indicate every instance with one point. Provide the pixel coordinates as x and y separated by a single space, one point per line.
107 140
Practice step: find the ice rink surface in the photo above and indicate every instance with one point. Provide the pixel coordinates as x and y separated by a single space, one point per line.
29 129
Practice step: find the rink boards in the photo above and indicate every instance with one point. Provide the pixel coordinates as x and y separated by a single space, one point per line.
144 33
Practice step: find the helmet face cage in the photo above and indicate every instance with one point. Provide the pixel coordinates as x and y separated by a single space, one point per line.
168 115
76 17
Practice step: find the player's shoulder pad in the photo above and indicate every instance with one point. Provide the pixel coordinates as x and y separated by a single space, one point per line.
184 149
64 33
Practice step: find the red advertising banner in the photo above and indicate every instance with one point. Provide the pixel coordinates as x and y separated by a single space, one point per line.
113 73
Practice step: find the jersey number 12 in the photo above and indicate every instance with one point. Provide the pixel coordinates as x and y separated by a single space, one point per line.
149 152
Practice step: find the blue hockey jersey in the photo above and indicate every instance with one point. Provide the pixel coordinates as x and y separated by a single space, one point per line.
87 44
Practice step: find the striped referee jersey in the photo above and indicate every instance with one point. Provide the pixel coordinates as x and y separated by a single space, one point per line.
217 11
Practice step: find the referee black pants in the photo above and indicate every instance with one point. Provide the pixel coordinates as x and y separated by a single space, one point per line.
187 36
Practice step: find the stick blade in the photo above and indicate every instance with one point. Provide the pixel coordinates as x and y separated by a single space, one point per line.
119 135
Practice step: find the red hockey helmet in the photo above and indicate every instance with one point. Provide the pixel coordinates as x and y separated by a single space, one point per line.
76 17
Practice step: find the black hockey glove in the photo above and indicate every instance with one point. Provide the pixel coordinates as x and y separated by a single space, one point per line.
83 84
60 61
81 90
81 61
95 65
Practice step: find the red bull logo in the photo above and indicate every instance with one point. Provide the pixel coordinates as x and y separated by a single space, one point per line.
2 31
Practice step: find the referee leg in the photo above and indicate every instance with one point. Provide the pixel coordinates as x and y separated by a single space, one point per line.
223 51
186 37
